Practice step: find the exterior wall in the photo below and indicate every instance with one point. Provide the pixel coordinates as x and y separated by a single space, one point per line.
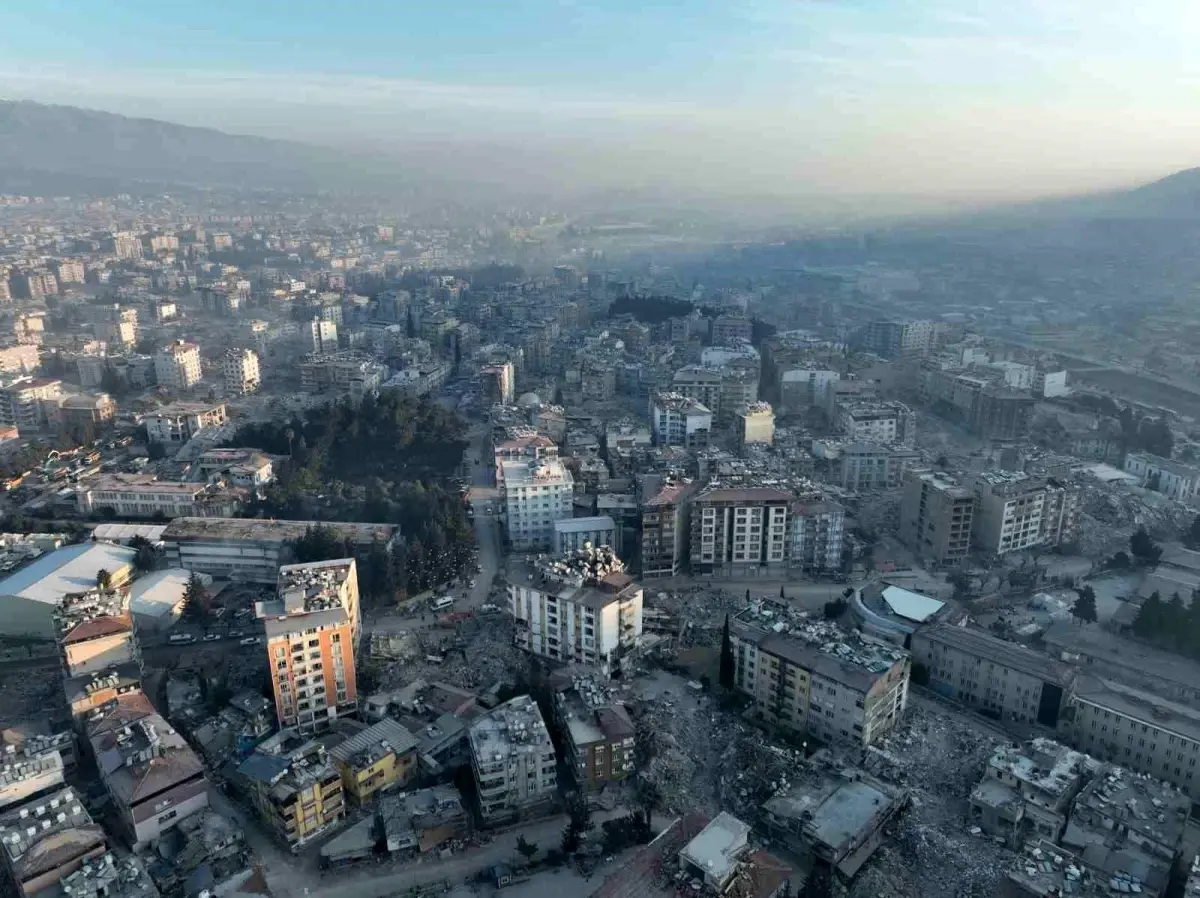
390 770
664 540
936 521
305 814
815 538
93 655
143 501
1174 480
728 537
567 631
305 697
192 797
244 560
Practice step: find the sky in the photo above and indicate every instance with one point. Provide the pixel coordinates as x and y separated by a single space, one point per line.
951 99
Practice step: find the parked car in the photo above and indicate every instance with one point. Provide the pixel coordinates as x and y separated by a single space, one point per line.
181 638
211 637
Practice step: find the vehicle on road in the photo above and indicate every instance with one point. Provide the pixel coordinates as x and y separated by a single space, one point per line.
211 637
442 604
181 638
251 640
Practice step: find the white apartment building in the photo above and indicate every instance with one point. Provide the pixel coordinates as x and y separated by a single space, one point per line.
580 607
817 678
678 420
1014 511
71 271
240 367
739 530
1171 478
19 359
322 336
127 245
180 421
701 384
24 403
177 366
513 760
877 422
536 494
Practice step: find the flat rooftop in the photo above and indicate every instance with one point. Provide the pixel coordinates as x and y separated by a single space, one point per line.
196 529
312 587
998 651
515 727
1182 720
911 605
534 473
716 849
1107 649
71 569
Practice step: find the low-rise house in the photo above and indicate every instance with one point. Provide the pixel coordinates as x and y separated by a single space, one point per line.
49 841
152 775
380 758
1026 791
421 821
295 789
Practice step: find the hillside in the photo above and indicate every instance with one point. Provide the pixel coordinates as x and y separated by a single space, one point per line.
69 149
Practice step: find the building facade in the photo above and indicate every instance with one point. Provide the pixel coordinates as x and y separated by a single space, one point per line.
678 420
536 495
513 760
241 370
180 421
936 517
177 366
739 530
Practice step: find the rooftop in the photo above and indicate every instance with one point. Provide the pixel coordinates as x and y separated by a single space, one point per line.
40 836
109 877
158 593
677 402
1047 870
1043 764
594 577
515 727
71 569
1108 649
143 759
316 586
745 495
531 473
185 409
718 847
268 531
376 742
1182 720
911 605
1122 800
816 645
92 615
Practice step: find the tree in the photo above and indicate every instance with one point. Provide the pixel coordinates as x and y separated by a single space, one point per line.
1119 561
526 849
1191 538
410 324
727 671
1144 550
145 558
103 580
1151 617
782 595
819 883
577 826
195 601
1084 609
835 609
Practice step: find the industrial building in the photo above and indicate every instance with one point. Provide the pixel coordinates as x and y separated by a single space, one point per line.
993 675
31 596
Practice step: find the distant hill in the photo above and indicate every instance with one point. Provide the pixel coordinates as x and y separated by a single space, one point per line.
45 149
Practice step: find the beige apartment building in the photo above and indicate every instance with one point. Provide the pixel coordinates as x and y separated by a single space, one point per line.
819 679
180 421
177 366
241 370
936 515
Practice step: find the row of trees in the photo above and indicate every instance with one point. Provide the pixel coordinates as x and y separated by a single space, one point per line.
1172 624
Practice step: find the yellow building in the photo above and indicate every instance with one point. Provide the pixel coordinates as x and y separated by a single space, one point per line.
297 793
379 757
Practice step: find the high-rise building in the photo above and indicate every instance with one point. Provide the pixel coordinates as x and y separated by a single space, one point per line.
756 425
578 607
1014 511
497 383
177 366
536 494
71 271
240 367
665 530
816 528
936 516
678 420
39 282
312 635
900 339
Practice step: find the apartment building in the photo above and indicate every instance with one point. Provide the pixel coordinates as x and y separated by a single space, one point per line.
993 675
536 494
321 336
1014 511
39 283
730 329
860 467
312 634
342 372
26 403
513 760
815 531
25 779
739 530
579 607
498 383
901 339
573 534
95 632
294 787
988 409
756 425
816 678
1171 478
699 383
802 388
144 496
70 271
153 778
48 842
382 757
241 371
82 414
20 359
936 517
127 245
598 733
877 422
679 420
1139 730
177 366
665 531
1027 790
522 444
180 421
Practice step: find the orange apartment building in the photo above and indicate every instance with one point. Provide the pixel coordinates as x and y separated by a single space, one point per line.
312 636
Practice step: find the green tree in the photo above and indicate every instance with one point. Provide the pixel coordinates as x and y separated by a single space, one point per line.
103 580
1191 538
727 670
1084 609
526 849
144 558
196 608
580 819
1151 617
1144 550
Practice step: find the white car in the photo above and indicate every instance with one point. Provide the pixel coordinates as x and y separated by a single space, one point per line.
211 637
250 640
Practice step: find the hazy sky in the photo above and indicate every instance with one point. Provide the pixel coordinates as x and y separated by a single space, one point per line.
868 97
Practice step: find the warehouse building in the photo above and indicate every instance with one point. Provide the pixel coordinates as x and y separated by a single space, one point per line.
32 595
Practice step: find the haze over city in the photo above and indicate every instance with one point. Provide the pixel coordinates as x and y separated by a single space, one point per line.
908 102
